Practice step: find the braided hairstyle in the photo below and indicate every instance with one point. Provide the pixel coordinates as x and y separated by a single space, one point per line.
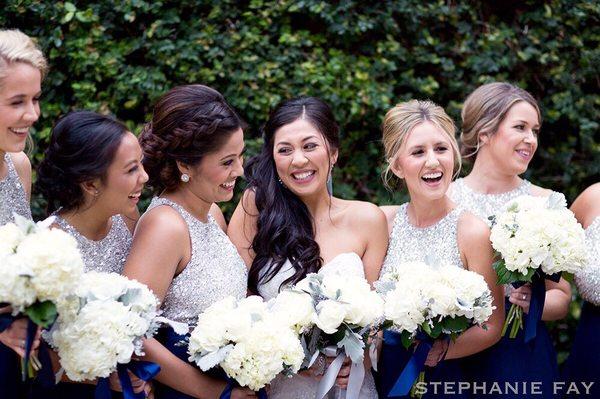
188 123
285 226
82 147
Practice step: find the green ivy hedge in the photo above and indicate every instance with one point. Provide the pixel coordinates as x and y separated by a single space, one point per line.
361 57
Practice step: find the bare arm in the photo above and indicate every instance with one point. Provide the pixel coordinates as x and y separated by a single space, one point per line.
242 227
390 212
375 230
154 261
476 251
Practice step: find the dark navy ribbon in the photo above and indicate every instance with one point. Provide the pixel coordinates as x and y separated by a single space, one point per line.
6 319
143 370
536 305
226 394
415 364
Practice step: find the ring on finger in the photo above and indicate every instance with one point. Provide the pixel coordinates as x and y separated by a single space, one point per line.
524 296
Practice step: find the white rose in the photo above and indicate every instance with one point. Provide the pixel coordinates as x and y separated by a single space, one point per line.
330 315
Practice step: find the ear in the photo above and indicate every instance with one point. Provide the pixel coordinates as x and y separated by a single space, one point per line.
91 187
333 157
183 168
484 138
396 168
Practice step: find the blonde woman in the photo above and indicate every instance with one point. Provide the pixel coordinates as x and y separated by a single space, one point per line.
422 152
22 69
501 124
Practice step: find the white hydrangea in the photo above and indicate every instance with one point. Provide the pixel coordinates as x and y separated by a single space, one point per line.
537 232
54 260
15 283
248 339
103 324
10 237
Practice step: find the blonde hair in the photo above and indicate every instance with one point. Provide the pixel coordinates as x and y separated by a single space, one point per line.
15 46
402 119
485 109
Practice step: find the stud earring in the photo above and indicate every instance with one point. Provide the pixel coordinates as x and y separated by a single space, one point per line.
185 177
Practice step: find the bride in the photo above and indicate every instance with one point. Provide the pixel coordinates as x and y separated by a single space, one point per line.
288 223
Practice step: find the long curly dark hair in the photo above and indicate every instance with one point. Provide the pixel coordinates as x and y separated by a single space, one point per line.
285 228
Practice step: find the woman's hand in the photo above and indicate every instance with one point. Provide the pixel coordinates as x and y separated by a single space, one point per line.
437 352
15 335
137 384
521 297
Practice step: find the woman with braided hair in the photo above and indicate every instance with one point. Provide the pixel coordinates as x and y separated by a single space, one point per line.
193 152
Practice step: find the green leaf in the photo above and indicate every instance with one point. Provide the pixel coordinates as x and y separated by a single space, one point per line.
42 313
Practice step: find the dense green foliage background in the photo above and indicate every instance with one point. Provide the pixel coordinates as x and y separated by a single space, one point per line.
361 57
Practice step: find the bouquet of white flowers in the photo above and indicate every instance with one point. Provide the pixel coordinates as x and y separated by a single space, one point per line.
345 312
536 238
248 341
39 268
428 302
102 325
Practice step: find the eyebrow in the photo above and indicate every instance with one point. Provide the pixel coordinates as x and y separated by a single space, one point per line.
133 161
233 155
303 140
16 96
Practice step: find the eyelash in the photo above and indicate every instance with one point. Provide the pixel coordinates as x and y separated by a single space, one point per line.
134 169
441 148
35 100
307 147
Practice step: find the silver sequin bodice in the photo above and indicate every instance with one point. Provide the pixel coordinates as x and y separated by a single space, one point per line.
12 195
215 269
588 280
484 205
410 243
106 255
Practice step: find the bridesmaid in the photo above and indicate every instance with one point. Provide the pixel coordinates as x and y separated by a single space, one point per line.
193 152
92 176
501 124
421 150
289 224
22 69
583 362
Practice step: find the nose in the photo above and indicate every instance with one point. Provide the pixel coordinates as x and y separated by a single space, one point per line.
298 158
530 137
144 175
31 112
431 160
239 167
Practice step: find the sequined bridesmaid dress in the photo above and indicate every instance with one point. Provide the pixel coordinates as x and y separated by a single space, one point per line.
411 243
215 271
510 360
583 363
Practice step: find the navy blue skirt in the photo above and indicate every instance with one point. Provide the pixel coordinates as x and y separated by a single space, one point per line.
11 386
393 359
583 364
513 363
175 343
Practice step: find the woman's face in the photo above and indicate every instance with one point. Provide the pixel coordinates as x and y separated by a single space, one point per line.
516 140
425 162
302 158
213 179
19 105
121 189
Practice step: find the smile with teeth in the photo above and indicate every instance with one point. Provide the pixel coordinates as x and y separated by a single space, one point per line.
135 196
303 175
228 185
432 177
19 130
524 153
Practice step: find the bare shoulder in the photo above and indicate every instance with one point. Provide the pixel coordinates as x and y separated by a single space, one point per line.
472 228
162 221
364 212
217 214
586 206
390 212
540 191
248 202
